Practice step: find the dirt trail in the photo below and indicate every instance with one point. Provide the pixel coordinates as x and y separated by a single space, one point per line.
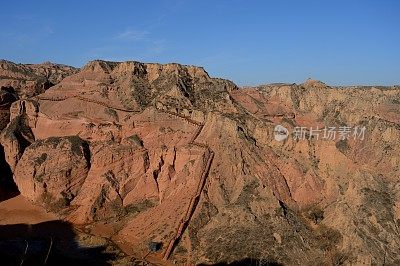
88 100
184 221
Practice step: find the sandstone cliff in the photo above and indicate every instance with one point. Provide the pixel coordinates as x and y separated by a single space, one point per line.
20 81
148 152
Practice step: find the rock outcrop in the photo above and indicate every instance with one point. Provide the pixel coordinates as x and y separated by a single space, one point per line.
166 154
21 81
28 80
52 171
7 97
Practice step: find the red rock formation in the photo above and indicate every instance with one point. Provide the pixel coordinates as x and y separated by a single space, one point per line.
165 153
20 81
31 79
52 171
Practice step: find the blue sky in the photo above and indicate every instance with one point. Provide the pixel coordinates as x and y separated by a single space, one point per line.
249 42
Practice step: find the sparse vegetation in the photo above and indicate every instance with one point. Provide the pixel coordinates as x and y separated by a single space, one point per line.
136 140
39 178
327 237
40 160
77 145
314 214
140 206
55 205
342 146
111 112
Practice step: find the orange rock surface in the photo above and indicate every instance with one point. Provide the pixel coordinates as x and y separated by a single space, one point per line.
140 152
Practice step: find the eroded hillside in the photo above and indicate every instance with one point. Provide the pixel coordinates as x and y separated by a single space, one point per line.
143 153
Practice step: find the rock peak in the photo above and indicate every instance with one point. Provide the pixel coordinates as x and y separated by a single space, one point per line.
153 70
313 83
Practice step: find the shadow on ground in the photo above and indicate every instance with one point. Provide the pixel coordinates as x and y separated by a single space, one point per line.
247 262
48 243
8 189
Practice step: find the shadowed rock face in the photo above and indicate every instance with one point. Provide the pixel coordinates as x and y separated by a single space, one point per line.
55 243
8 189
7 97
20 81
28 80
157 153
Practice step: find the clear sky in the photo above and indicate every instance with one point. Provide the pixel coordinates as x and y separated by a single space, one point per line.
340 42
